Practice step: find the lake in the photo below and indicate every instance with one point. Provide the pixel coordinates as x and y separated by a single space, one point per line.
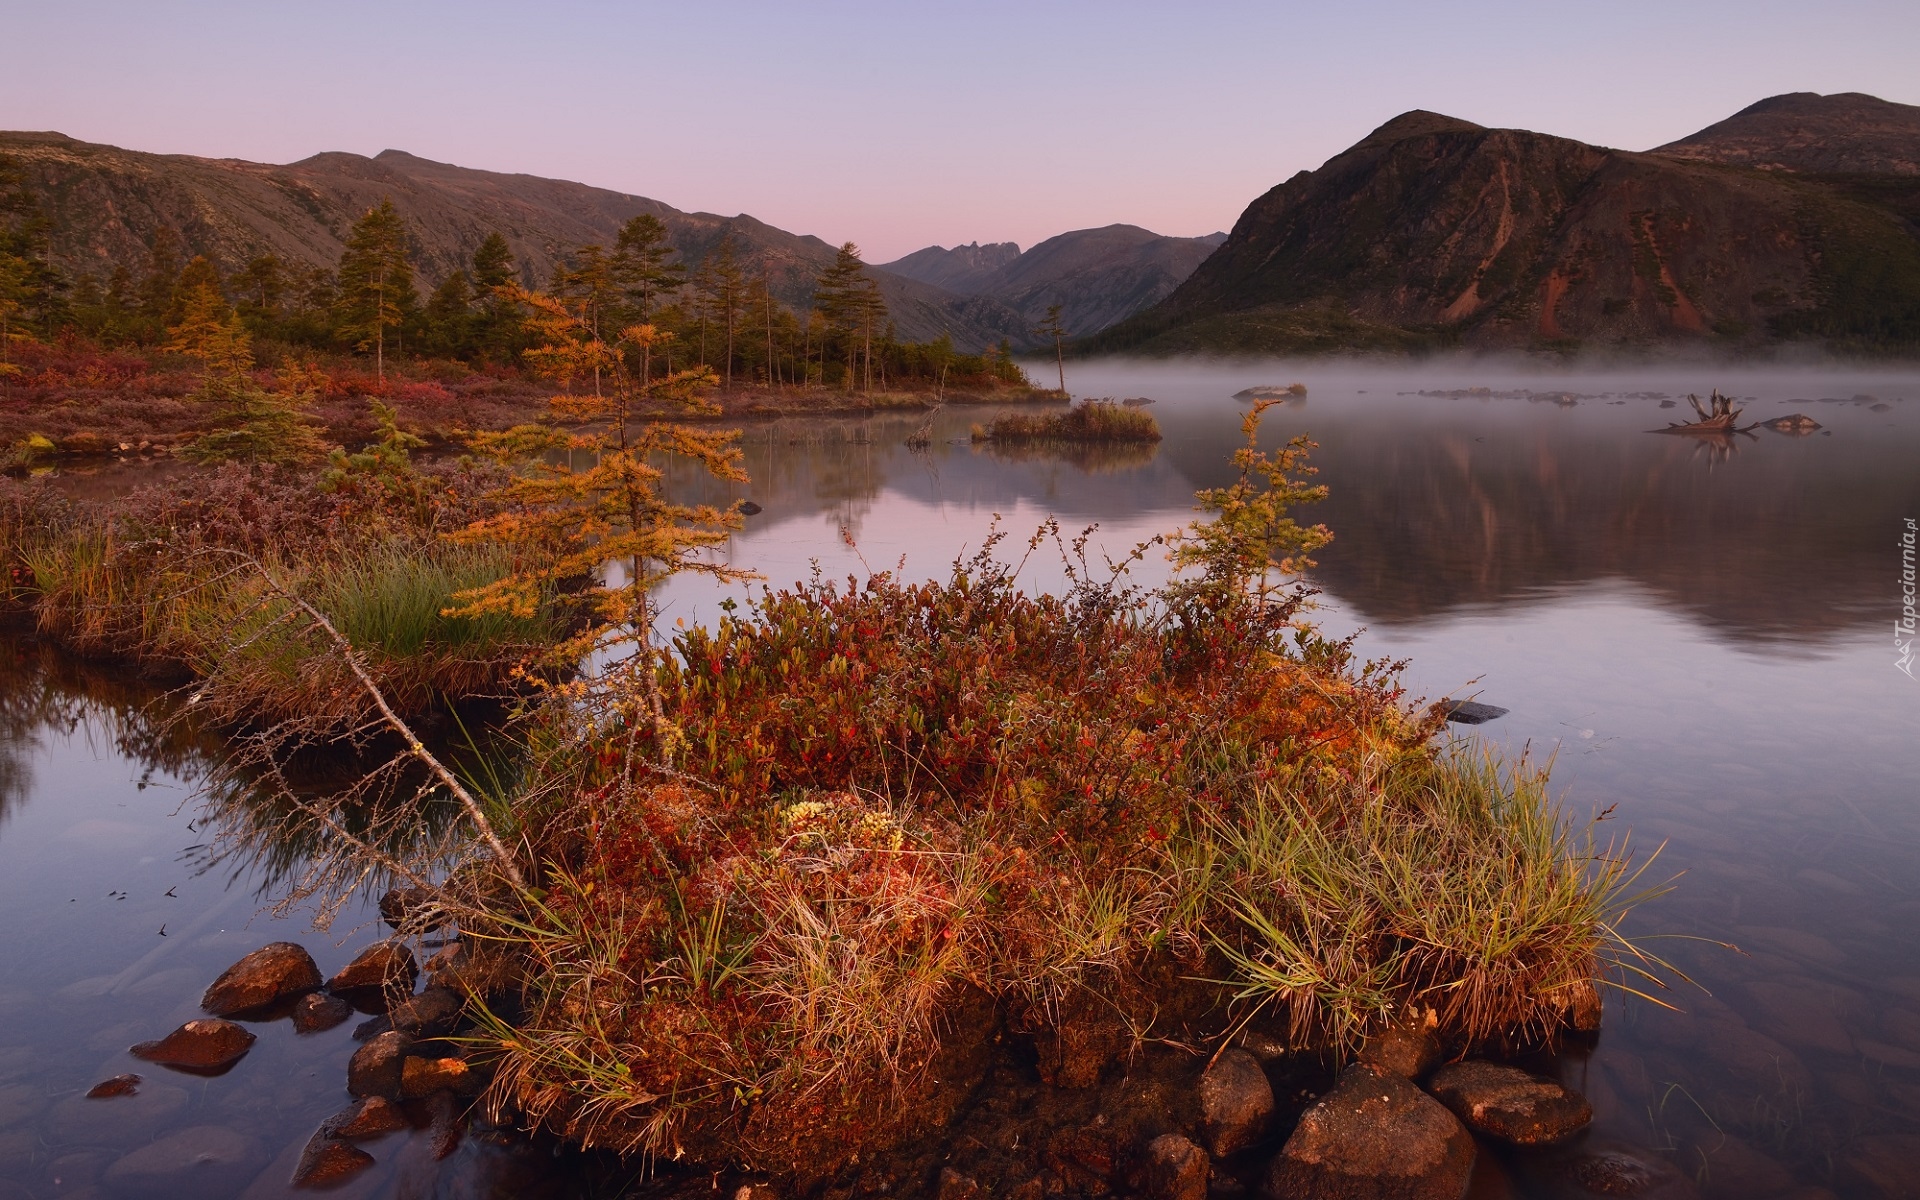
1699 634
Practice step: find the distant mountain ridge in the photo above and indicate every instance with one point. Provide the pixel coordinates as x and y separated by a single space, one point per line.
1097 276
106 204
1433 231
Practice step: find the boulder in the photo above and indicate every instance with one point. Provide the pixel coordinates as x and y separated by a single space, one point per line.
367 1118
387 965
326 1162
210 1045
1375 1136
400 904
375 1069
273 972
119 1085
424 1076
203 1160
317 1011
1236 1102
1509 1104
1582 1006
1174 1169
1407 1048
432 1012
1599 1168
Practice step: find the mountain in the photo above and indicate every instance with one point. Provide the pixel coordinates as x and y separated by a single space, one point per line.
1433 231
106 204
961 269
1097 276
1847 133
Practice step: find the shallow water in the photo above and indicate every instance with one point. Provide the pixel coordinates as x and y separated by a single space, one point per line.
1700 633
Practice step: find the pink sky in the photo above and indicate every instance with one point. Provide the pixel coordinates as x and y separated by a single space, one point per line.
901 125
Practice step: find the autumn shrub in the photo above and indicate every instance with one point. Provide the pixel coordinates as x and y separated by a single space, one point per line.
841 824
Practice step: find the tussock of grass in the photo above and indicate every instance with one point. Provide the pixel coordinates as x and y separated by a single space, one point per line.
1087 421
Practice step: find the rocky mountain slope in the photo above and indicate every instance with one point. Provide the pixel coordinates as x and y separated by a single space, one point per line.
1847 133
1097 276
1434 232
107 203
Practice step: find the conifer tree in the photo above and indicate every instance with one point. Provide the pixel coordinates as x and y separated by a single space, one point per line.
567 522
845 298
493 271
642 266
30 288
1053 330
252 424
724 295
376 282
162 277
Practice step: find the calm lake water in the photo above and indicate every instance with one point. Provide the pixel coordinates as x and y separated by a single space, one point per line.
1700 635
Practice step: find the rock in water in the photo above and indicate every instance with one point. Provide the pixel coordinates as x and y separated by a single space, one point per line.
119 1085
387 965
317 1011
432 1012
424 1076
1175 1169
326 1162
210 1046
400 903
205 1160
375 1069
1236 1101
1375 1136
368 1118
1604 1170
749 509
273 972
1469 712
1509 1104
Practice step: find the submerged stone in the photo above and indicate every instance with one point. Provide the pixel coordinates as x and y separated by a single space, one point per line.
367 1118
1604 1168
375 1069
317 1011
326 1162
387 965
1510 1104
204 1160
1375 1136
210 1045
1471 712
273 972
119 1085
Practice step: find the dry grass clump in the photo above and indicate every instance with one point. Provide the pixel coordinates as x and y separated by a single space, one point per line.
1087 421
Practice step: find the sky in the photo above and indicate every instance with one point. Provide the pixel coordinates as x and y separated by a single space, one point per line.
899 125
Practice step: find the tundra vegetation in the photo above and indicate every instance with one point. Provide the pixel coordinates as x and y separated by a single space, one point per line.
93 365
757 892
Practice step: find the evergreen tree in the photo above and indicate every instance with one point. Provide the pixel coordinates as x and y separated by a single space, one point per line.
498 325
723 296
252 424
450 316
642 268
841 296
376 282
31 291
587 283
1053 330
157 286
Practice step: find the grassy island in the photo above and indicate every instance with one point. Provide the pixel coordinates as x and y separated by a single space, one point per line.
1092 421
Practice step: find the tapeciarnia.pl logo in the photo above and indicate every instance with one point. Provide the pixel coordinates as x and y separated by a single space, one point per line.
1903 628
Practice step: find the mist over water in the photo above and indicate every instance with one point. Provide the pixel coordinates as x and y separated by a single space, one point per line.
1697 632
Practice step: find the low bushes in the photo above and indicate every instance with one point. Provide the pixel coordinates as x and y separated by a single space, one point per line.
1087 421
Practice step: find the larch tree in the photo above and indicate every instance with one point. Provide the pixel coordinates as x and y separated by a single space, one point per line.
375 281
724 295
1055 332
563 521
643 266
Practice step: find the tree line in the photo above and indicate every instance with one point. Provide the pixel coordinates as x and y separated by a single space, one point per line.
713 313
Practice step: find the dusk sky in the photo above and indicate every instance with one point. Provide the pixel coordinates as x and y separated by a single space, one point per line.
899 125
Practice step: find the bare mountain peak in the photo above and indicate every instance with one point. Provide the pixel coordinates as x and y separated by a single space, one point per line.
1415 123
